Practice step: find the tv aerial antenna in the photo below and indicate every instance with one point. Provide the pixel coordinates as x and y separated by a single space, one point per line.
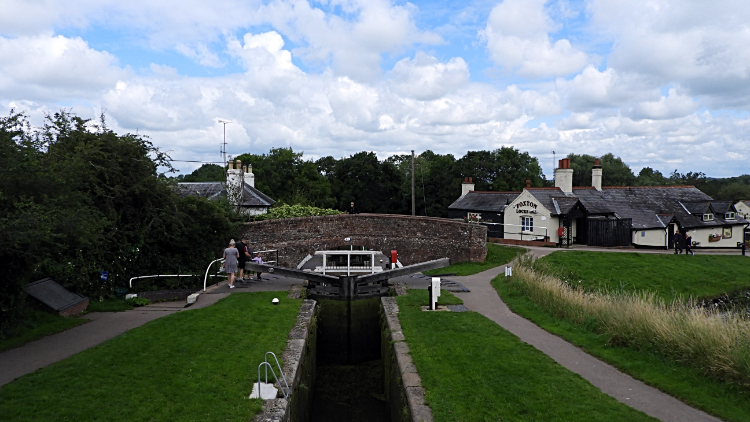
223 149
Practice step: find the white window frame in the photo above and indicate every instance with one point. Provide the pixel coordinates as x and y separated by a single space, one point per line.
527 222
708 217
729 216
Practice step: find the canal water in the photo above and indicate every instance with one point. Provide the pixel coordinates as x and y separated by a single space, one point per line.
350 379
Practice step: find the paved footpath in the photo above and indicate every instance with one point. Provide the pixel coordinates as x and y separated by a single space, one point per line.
484 299
103 326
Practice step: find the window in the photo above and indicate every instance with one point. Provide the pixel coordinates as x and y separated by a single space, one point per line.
708 217
729 215
527 224
643 233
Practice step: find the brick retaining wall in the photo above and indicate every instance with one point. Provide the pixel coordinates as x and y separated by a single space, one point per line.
417 239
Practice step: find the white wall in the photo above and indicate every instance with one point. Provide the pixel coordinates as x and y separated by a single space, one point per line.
652 237
542 219
701 235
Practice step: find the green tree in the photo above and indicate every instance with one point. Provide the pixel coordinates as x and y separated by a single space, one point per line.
614 171
734 192
373 185
504 169
283 175
206 173
650 177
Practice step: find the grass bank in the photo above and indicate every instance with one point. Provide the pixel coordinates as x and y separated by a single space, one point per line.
473 370
496 255
667 276
35 325
192 365
672 347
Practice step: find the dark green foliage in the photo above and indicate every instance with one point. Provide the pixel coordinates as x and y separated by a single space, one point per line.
35 324
283 175
374 186
77 199
197 365
650 177
138 301
614 171
504 169
205 173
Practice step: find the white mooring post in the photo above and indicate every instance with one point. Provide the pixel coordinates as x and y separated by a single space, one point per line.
508 271
434 292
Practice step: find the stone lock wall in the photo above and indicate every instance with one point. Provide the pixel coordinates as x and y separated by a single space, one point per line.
417 239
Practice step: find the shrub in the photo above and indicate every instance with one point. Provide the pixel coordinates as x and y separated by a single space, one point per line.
138 301
290 211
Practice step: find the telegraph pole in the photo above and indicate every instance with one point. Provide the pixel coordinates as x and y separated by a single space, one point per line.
413 204
224 149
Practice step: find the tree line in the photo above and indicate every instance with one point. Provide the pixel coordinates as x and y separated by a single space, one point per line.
77 199
384 186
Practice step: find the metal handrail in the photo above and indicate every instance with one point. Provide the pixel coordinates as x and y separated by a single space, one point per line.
265 357
209 267
284 388
270 250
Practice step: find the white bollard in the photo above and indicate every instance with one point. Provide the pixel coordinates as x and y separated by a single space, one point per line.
508 271
434 292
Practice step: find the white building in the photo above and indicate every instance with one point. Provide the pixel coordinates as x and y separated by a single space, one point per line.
239 189
646 216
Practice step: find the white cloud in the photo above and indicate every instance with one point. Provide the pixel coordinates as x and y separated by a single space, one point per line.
517 36
49 67
424 78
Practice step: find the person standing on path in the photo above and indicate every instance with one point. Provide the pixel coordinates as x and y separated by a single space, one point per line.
677 242
258 260
242 250
231 255
688 244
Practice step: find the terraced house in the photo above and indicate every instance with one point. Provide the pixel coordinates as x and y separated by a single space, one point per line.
644 216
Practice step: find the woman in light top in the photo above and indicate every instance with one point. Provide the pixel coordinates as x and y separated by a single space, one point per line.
231 254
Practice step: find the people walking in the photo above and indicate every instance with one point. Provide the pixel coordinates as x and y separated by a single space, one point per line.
688 244
242 250
231 255
677 242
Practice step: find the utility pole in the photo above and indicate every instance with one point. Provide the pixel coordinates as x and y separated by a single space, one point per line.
413 203
554 163
224 149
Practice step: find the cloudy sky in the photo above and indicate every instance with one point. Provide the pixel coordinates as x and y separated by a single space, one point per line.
660 83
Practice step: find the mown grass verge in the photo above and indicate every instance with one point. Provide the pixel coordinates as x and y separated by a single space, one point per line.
668 276
193 365
473 370
35 325
669 351
496 255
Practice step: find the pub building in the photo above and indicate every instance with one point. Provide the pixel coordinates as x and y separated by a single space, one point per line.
640 216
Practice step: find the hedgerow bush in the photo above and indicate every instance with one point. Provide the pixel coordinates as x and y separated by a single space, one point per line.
290 211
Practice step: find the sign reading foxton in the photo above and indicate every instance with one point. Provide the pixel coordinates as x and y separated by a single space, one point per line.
526 204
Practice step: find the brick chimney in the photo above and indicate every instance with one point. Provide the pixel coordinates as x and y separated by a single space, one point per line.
235 182
528 183
596 175
249 176
467 186
564 176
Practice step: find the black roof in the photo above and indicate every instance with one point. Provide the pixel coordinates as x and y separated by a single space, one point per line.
484 201
251 197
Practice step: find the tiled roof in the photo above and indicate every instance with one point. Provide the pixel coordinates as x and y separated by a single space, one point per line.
484 201
252 197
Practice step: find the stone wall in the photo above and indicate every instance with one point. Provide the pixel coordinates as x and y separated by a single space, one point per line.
417 239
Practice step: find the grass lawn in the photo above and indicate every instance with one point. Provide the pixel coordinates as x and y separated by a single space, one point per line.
193 365
667 275
728 402
473 370
36 325
496 255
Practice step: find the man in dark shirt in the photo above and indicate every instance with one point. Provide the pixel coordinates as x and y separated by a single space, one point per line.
352 210
677 242
245 255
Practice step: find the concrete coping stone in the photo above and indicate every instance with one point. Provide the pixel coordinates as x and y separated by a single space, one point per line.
412 383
